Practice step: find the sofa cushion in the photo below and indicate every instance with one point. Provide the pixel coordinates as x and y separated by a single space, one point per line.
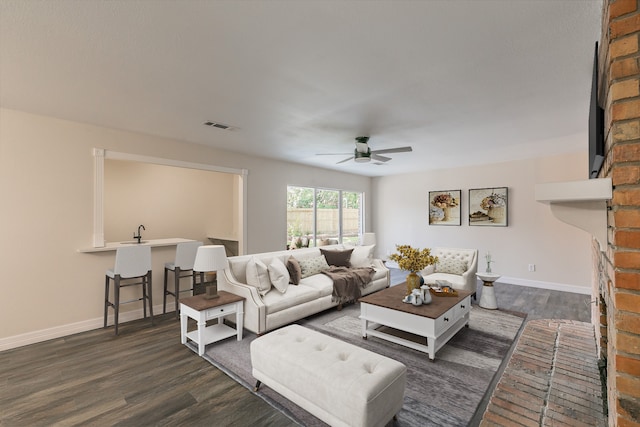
278 275
258 276
295 272
451 266
362 256
337 258
295 295
311 266
320 282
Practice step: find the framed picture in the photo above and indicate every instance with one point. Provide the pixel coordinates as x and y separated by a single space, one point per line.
444 207
488 206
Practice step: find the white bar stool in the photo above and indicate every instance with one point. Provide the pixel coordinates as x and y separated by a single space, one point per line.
132 262
181 267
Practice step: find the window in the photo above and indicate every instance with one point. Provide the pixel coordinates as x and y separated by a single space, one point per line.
318 217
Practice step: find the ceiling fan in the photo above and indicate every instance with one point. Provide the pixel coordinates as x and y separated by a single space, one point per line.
363 153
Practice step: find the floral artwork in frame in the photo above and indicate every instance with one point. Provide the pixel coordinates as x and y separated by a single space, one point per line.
488 206
444 207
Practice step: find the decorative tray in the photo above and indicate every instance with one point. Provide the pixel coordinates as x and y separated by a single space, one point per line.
445 291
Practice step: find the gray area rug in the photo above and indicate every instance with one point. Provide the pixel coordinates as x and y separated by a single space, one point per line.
445 392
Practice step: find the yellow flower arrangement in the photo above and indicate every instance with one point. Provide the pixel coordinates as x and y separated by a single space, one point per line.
411 259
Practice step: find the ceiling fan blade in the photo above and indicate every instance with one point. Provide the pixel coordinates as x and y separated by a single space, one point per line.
393 150
380 158
345 160
332 154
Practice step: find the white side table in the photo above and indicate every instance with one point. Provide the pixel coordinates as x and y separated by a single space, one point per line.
201 310
488 298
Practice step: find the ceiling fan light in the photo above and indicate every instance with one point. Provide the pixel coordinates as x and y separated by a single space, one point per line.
362 157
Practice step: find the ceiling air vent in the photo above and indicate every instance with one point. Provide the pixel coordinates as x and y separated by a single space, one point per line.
218 125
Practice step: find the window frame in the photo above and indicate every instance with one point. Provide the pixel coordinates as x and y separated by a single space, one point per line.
314 232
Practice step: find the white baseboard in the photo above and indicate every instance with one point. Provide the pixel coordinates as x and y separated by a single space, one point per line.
562 287
72 328
88 325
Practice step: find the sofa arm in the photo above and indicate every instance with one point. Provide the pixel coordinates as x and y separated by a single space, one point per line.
254 308
379 266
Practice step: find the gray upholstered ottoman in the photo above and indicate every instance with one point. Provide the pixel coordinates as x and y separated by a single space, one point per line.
342 384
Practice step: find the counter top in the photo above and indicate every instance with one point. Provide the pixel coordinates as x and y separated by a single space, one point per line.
112 246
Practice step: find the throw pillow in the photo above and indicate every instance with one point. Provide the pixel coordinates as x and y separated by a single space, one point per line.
451 266
258 276
362 256
278 275
314 265
337 258
295 272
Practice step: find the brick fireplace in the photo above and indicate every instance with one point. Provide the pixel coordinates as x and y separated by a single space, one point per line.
617 285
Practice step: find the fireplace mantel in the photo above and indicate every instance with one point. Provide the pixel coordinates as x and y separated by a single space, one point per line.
582 204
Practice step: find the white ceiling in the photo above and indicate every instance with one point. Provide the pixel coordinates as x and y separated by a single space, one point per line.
462 81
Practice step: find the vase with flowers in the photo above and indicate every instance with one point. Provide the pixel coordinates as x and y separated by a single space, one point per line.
413 260
489 260
445 202
494 204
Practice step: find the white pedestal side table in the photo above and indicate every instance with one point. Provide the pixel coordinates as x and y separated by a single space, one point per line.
201 310
488 298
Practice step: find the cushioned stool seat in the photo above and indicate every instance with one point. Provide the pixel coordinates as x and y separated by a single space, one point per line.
341 384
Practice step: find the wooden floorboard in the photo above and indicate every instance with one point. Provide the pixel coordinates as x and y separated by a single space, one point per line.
145 376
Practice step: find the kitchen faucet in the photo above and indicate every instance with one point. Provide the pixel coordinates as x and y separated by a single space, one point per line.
139 236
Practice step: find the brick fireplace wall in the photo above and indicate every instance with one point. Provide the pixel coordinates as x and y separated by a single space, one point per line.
618 286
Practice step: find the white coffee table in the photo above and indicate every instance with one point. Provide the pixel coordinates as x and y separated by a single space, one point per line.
201 309
488 298
437 322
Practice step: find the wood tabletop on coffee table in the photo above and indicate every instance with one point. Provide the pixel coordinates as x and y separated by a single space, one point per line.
392 298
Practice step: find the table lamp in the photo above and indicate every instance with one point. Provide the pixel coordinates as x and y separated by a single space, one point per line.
209 259
368 239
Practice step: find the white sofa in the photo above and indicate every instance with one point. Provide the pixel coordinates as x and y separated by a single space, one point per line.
455 265
265 311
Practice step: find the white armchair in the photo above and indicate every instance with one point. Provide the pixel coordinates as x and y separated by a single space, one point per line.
457 266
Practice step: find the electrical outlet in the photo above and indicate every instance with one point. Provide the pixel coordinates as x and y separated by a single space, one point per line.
532 267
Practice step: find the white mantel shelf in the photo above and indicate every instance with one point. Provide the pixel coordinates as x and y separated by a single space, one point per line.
582 204
574 191
112 246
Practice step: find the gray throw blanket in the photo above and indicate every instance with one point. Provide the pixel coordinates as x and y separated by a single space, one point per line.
347 282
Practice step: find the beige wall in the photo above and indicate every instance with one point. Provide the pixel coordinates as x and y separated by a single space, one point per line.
170 202
46 215
560 252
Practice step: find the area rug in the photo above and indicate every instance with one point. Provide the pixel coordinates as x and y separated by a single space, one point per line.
445 392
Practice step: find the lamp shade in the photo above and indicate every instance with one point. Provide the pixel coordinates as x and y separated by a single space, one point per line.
368 239
210 258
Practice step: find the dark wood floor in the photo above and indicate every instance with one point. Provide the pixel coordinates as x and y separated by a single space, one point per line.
143 377
146 377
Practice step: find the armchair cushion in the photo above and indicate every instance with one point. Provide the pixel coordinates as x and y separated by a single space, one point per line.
451 266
